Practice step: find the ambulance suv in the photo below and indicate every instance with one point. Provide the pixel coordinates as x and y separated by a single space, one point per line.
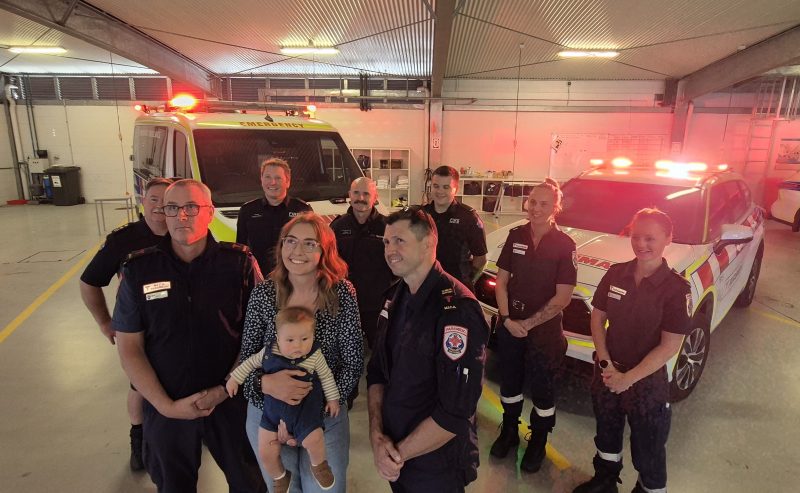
718 245
224 149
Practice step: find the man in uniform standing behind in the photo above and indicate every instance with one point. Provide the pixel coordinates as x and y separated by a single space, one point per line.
179 317
260 220
359 239
105 265
462 241
424 377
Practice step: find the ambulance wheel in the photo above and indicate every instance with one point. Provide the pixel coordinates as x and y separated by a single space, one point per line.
692 359
749 291
796 223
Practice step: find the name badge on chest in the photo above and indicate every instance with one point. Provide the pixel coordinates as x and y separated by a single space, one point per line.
156 290
519 248
616 292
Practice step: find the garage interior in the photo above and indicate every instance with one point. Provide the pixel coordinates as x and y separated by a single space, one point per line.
475 84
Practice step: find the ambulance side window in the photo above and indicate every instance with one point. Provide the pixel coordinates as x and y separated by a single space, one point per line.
149 150
181 156
718 212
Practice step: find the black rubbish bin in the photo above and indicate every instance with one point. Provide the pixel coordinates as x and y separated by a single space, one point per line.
66 183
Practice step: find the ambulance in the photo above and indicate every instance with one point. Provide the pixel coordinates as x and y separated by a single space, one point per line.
223 146
718 245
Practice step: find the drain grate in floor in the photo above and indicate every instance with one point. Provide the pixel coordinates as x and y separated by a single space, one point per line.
51 256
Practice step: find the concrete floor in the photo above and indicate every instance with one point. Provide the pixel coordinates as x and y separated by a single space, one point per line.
62 394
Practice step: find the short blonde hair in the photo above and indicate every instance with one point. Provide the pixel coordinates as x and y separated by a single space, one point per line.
278 163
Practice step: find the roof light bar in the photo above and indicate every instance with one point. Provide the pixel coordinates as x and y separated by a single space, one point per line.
621 162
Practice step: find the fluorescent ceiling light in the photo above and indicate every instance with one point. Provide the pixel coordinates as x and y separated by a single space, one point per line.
309 50
40 50
588 54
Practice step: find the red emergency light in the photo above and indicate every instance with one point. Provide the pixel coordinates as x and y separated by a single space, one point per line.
621 162
184 102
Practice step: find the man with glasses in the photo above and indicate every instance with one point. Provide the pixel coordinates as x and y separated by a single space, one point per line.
359 239
462 241
105 265
260 220
179 317
424 377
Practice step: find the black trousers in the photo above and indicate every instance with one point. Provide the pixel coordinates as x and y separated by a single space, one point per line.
174 447
416 481
646 407
542 359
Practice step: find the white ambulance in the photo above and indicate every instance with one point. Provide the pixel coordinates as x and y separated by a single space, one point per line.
224 149
718 245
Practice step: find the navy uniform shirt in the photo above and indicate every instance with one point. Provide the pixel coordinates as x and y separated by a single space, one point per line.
536 271
191 314
430 357
638 315
259 227
461 237
361 246
119 243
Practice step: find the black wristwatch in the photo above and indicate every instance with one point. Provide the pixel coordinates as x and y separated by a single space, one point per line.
604 363
501 320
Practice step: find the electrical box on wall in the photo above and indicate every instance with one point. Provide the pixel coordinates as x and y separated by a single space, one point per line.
38 165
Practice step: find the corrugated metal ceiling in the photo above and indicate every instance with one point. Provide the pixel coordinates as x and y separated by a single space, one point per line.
81 57
378 36
657 38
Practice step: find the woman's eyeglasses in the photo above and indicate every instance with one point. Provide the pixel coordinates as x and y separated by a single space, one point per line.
309 245
188 209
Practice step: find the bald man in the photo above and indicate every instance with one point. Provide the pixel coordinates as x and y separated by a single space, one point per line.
359 238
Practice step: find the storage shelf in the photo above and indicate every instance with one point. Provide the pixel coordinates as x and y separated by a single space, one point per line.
495 195
390 169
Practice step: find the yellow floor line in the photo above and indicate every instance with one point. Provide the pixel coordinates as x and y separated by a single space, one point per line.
554 455
27 312
776 317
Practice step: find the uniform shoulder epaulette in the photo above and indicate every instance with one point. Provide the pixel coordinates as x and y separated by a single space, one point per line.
120 229
301 201
515 228
141 253
466 207
679 276
237 247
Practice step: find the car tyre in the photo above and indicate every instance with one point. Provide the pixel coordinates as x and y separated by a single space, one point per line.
796 223
692 358
745 298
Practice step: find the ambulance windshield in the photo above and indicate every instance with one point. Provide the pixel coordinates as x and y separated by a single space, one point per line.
230 160
608 206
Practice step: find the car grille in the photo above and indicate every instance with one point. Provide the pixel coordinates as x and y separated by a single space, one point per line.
577 314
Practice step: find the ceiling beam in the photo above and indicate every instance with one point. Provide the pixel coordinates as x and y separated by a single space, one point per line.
773 52
442 32
89 24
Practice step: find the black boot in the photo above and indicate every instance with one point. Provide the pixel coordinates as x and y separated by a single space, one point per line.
638 488
535 453
605 480
508 439
137 464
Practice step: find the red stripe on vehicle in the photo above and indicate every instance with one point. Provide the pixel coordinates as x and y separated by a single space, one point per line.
706 275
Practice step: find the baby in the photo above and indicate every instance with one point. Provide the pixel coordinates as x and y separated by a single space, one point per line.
293 349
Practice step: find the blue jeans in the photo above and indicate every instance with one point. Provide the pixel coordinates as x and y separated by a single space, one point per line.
296 460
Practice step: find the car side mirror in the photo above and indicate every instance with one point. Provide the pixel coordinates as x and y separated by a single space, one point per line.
734 234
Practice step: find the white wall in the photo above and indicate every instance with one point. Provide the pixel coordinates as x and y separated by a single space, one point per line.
90 140
479 136
484 140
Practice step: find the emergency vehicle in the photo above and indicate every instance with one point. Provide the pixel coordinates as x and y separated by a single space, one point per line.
787 207
718 245
223 146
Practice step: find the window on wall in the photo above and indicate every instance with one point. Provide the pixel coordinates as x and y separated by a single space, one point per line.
149 152
181 156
